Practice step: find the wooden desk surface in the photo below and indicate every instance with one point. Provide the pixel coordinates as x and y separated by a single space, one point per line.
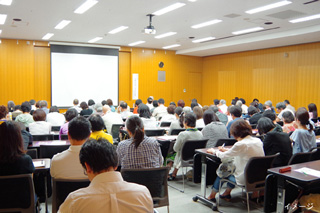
298 176
47 163
54 142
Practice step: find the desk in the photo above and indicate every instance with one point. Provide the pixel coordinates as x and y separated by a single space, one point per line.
44 169
166 143
36 144
295 177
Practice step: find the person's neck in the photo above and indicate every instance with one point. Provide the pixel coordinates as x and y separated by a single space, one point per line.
91 176
77 142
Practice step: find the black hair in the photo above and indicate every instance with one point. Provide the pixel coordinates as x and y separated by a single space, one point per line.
91 102
209 116
135 126
288 117
17 107
281 105
286 101
96 122
216 101
190 119
149 100
302 115
32 101
236 111
26 106
76 101
194 104
144 111
124 105
265 124
242 100
54 109
104 102
79 128
214 108
233 102
84 105
269 114
194 100
313 108
99 154
255 100
252 110
161 101
155 103
173 103
178 110
10 106
138 101
70 114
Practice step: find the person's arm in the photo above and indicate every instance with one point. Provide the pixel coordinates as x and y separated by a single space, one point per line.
267 142
237 149
179 142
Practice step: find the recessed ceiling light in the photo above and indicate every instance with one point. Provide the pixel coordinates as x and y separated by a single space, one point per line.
0 31
247 30
85 6
203 39
62 24
308 18
3 18
165 35
94 39
171 46
268 7
169 9
6 2
136 43
192 0
47 36
215 21
119 29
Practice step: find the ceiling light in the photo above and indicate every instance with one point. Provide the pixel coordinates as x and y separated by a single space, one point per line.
308 18
203 39
62 24
136 43
168 9
165 35
268 7
171 46
0 31
119 29
6 2
192 0
215 21
47 36
3 18
95 39
85 6
247 30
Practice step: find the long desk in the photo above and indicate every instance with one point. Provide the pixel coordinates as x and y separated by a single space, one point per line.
300 178
36 144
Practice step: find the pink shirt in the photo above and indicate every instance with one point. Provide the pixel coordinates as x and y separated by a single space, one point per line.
63 130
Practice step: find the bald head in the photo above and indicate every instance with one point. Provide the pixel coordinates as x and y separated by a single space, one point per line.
105 109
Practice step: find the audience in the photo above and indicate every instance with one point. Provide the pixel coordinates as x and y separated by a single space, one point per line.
44 106
111 118
313 112
110 104
13 160
254 114
214 129
223 107
275 142
155 105
70 114
76 105
288 122
39 126
54 117
33 104
25 118
3 113
268 106
17 111
160 111
136 106
281 108
181 103
304 138
199 115
124 112
222 117
107 191
178 123
145 115
85 109
91 104
288 106
98 109
235 112
66 165
272 116
10 106
244 107
170 116
97 126
246 147
139 151
149 102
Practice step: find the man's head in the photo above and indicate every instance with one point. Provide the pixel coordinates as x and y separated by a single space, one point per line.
222 102
149 100
96 122
26 106
105 109
268 104
269 114
98 156
98 107
75 102
70 114
216 102
236 111
43 104
286 102
280 106
161 101
252 110
78 130
32 102
123 106
137 102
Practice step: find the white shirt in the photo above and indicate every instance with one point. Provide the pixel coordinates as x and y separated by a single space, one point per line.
111 118
56 119
200 123
280 114
67 165
150 106
149 123
244 108
77 108
242 151
40 128
108 193
160 111
169 117
224 108
126 114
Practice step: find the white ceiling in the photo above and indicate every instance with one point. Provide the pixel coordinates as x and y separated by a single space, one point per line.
41 16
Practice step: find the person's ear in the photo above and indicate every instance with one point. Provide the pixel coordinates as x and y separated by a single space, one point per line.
88 168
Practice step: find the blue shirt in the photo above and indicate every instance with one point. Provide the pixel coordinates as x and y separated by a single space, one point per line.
229 126
303 140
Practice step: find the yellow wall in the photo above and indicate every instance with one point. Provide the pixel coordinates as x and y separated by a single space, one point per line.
267 74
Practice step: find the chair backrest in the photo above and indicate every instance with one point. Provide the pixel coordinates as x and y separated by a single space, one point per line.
253 126
256 170
48 137
55 128
165 124
62 188
17 194
33 153
280 123
189 147
200 128
64 137
154 132
301 157
317 131
155 179
115 130
48 151
177 131
164 146
316 154
226 142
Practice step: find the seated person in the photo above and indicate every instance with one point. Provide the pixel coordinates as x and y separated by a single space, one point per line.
85 109
70 114
66 165
254 114
275 142
39 126
136 106
17 111
199 115
3 113
304 138
13 160
25 118
160 111
170 116
111 118
97 126
178 123
246 147
124 111
289 124
191 133
272 116
107 191
235 112
139 151
145 115
54 117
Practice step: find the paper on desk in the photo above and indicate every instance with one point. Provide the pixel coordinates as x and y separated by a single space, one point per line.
308 171
167 137
39 163
317 140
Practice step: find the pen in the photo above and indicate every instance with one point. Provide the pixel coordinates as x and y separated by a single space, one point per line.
305 173
223 145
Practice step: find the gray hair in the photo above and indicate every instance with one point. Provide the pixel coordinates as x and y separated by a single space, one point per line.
281 105
268 103
98 107
222 101
187 109
239 103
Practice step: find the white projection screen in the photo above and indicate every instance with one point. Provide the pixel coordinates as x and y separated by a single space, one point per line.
83 73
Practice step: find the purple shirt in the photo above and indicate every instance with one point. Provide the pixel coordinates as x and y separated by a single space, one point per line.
63 130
